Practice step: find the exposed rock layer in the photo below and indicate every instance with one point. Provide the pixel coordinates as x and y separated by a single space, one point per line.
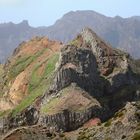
102 78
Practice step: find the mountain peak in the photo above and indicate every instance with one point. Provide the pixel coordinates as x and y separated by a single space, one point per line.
89 35
106 56
88 30
99 47
24 23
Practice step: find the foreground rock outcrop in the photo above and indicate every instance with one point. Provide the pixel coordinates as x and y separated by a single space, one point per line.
123 125
85 81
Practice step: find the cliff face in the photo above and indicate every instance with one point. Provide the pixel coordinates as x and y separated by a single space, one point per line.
26 77
77 65
72 84
69 109
99 70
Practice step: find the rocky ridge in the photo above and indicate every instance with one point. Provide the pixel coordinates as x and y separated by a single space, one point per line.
89 80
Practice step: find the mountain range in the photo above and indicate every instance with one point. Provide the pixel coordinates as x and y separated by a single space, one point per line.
85 90
123 33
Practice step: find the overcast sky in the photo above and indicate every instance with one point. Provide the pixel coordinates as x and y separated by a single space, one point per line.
46 12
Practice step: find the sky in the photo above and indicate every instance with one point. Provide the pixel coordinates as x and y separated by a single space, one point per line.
46 12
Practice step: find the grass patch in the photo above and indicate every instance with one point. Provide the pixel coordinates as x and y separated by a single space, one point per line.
83 136
19 66
49 108
29 99
42 86
23 63
55 103
4 113
35 79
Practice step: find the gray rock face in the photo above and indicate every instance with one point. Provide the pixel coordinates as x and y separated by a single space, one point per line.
3 126
78 65
67 121
104 78
116 66
29 117
124 125
96 68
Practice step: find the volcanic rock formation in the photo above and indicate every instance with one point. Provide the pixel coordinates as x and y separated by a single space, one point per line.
65 86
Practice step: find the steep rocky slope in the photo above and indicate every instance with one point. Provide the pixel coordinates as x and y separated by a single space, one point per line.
49 88
120 32
27 71
123 125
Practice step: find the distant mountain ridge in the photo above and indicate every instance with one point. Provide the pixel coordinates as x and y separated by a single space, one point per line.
11 35
120 32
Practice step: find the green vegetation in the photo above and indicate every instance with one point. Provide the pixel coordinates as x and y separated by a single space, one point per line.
76 42
108 123
35 79
29 99
138 126
136 136
49 108
4 113
1 69
118 114
108 138
42 86
1 79
61 135
83 136
86 134
22 63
